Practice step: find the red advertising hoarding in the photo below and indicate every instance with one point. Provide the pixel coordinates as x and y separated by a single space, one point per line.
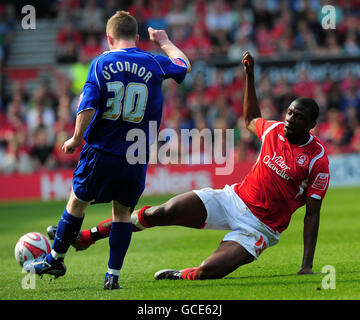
160 179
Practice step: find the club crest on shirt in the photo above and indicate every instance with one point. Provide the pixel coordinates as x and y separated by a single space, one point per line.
302 159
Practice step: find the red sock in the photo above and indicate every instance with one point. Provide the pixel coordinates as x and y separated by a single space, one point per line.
101 231
85 238
141 214
104 229
188 274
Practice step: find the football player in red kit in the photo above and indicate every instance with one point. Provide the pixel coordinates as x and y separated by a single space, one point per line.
292 170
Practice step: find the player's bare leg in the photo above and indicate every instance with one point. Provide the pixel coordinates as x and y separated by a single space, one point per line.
76 207
228 257
186 210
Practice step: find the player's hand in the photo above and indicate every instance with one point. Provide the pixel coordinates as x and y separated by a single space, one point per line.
305 270
159 37
248 62
70 145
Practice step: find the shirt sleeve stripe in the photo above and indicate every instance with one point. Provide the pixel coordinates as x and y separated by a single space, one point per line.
97 79
269 129
321 154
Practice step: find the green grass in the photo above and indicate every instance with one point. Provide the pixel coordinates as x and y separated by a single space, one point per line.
272 276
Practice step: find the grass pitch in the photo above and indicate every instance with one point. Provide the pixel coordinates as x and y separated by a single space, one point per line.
272 276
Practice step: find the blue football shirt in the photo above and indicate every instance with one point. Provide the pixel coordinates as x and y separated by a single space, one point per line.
124 88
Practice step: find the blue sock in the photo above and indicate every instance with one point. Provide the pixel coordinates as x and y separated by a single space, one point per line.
119 241
67 230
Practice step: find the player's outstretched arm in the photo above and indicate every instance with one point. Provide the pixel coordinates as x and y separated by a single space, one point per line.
161 38
251 108
311 227
82 122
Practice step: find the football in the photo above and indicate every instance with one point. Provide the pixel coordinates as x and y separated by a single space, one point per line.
31 246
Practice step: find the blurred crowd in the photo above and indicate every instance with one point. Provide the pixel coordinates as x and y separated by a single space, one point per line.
33 125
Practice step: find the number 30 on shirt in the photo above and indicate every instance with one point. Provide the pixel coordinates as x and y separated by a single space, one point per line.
130 101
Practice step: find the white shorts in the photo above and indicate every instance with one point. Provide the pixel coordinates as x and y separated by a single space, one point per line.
226 211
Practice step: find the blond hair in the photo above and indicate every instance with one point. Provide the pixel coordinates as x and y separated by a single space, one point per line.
122 25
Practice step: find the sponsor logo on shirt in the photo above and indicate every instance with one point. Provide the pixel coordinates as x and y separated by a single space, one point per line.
321 181
179 62
278 165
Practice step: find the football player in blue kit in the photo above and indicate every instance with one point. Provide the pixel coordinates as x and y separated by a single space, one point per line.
122 92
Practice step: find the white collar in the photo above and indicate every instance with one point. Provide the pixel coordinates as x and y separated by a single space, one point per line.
310 139
119 50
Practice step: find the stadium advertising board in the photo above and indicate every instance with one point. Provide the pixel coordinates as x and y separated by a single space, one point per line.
317 68
344 170
161 179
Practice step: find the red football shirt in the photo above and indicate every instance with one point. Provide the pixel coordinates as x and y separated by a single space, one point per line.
283 176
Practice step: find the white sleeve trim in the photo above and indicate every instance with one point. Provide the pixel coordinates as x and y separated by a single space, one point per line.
97 79
269 129
89 108
316 196
312 162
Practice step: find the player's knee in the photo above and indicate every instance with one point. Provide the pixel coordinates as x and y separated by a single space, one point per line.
122 217
121 213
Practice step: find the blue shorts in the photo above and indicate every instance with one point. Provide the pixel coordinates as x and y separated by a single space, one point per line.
101 177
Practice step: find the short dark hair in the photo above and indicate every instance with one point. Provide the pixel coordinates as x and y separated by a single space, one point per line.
122 25
311 106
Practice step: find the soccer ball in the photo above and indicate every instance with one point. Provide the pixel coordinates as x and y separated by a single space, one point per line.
31 246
